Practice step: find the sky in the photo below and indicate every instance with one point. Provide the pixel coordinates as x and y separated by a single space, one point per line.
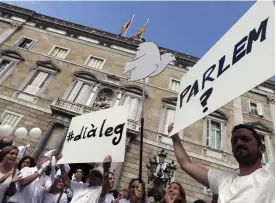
188 27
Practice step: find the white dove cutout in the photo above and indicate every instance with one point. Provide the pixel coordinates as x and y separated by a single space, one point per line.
147 62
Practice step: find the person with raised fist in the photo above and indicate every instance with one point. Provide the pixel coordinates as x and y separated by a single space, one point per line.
254 183
96 189
33 183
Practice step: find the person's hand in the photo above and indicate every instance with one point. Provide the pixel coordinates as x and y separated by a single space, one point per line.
168 199
138 193
170 128
107 161
51 153
43 167
16 178
59 156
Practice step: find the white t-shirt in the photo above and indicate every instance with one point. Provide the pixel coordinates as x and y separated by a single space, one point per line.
32 193
123 201
258 187
84 194
52 198
109 198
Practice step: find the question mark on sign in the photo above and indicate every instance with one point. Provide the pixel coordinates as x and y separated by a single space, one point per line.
205 97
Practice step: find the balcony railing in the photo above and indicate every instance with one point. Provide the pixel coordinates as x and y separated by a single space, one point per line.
77 109
72 107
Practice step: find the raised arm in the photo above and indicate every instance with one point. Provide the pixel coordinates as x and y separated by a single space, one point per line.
194 170
26 180
106 165
64 175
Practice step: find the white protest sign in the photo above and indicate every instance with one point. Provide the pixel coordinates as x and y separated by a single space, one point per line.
94 135
242 59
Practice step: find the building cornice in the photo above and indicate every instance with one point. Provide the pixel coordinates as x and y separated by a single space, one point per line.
75 30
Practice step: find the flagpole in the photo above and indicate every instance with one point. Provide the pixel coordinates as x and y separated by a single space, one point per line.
142 134
144 29
129 25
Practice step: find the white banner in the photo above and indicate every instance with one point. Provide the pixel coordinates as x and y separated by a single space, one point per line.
94 135
242 59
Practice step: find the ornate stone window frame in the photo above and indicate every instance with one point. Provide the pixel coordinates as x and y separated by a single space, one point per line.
45 66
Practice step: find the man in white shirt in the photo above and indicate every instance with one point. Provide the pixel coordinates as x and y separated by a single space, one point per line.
97 188
33 183
78 175
109 197
254 183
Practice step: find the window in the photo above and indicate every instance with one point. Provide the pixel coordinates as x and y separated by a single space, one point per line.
59 52
174 85
214 138
268 154
4 65
35 85
135 106
80 92
168 119
10 118
255 108
25 43
94 62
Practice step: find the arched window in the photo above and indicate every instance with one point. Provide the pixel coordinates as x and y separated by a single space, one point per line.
214 130
38 80
8 61
133 98
82 88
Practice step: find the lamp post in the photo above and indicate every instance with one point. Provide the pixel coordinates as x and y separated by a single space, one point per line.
159 175
6 130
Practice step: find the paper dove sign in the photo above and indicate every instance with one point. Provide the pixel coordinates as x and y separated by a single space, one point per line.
147 62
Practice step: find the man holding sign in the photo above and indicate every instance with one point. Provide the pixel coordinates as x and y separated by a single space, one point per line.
97 188
254 184
218 78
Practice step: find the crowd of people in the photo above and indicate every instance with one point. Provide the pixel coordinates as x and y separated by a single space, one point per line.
44 181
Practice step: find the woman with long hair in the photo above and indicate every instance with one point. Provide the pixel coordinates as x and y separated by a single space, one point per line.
56 192
26 161
135 193
175 194
8 176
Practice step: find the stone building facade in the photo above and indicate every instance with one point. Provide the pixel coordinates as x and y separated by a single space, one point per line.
52 70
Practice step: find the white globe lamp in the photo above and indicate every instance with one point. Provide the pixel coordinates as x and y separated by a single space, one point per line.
35 132
21 132
5 130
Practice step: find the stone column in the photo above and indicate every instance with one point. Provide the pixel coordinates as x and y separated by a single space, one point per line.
43 140
238 117
119 167
61 140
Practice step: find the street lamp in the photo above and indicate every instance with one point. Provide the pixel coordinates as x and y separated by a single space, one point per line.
21 132
159 175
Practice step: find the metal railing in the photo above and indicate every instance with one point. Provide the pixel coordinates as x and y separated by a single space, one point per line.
83 109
